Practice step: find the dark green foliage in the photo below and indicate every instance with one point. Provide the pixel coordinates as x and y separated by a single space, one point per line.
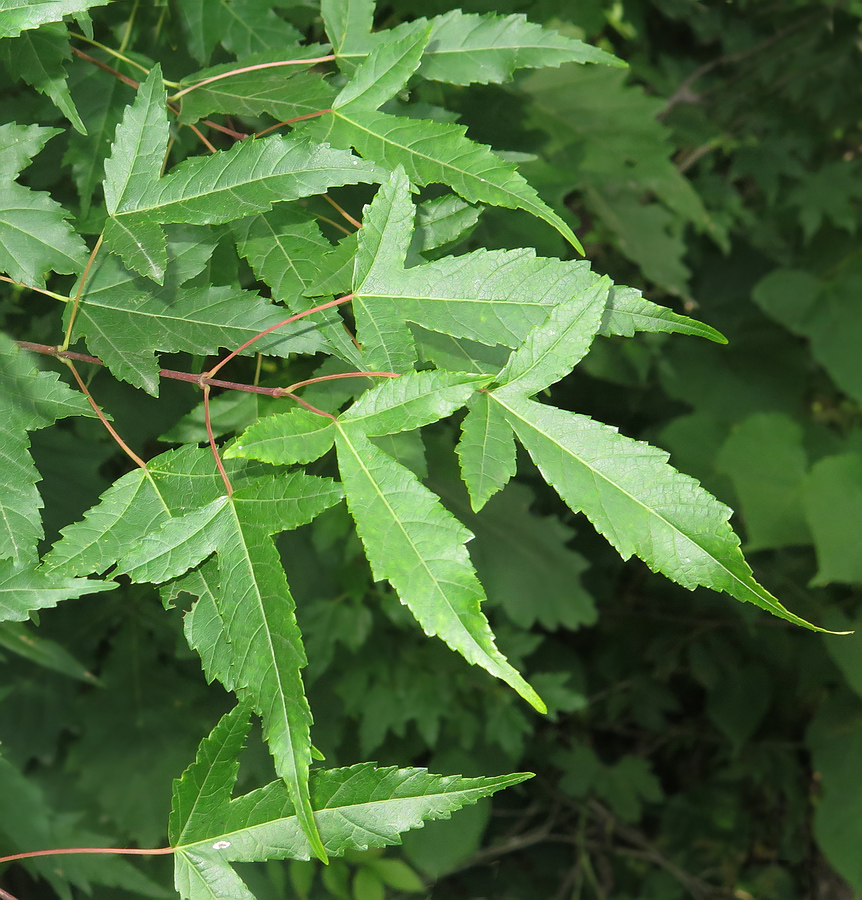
235 163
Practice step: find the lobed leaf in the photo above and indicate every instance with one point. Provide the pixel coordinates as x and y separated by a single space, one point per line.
494 297
220 188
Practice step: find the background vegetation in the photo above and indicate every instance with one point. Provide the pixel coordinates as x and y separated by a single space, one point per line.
695 747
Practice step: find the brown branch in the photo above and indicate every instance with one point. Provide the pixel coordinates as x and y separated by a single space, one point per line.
111 71
320 112
111 430
307 312
211 436
684 93
205 381
130 851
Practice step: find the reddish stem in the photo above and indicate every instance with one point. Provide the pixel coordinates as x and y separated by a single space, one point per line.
77 301
313 115
97 62
203 137
161 851
355 222
201 380
230 132
255 68
213 447
287 321
123 445
299 384
311 408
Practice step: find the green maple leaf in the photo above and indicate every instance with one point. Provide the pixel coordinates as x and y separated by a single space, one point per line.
246 602
255 605
410 539
625 487
34 236
464 48
216 189
430 152
22 15
492 297
355 808
127 318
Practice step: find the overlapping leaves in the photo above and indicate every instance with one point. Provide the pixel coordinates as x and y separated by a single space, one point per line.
486 331
355 808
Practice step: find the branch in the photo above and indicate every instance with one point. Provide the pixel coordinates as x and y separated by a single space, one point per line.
97 62
240 71
203 380
111 430
684 93
130 851
266 331
646 851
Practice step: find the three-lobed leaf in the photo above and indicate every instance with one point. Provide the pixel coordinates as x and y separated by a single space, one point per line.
249 178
